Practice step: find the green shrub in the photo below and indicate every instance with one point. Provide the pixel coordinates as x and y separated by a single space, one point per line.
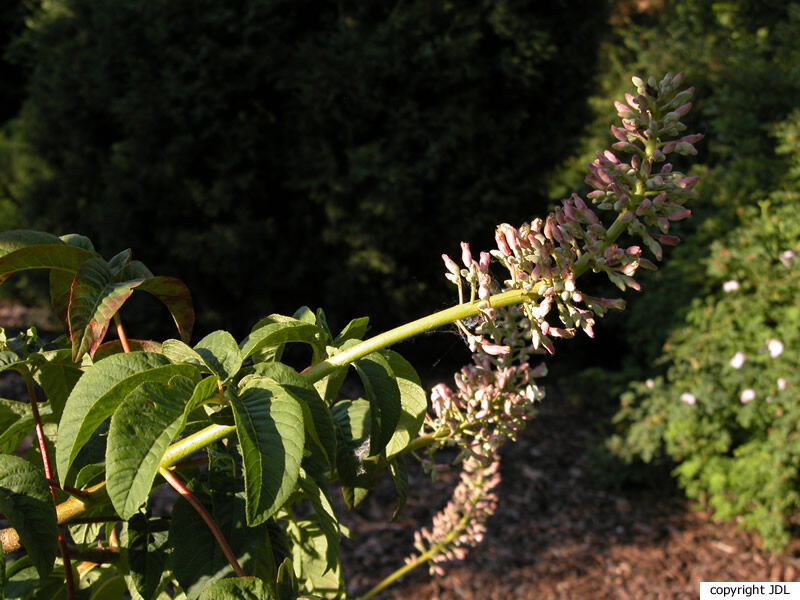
725 409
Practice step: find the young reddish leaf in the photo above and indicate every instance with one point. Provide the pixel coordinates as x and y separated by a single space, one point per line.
93 302
174 294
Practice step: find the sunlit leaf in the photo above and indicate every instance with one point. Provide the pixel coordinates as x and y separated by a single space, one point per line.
269 424
60 257
383 392
141 429
413 403
277 334
100 390
220 353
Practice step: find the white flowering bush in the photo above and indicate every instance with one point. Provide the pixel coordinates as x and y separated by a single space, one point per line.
725 408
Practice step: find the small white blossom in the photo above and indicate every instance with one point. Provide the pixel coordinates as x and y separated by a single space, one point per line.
775 348
688 398
781 383
747 395
786 258
650 384
738 360
730 286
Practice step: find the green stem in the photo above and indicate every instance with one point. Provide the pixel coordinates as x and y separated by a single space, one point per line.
420 560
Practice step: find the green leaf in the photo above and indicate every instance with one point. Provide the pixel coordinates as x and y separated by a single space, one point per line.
174 294
354 330
413 403
383 393
239 588
16 239
17 429
399 472
76 239
100 390
147 547
197 559
283 332
57 375
353 424
305 314
311 566
269 423
60 257
119 261
286 581
316 415
26 502
177 352
141 429
220 353
60 288
94 301
325 517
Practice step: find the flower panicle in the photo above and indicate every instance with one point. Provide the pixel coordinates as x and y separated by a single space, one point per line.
493 398
544 257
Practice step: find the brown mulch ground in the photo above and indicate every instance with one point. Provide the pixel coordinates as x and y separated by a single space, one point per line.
559 533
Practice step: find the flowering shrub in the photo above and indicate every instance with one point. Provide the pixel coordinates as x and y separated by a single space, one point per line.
251 444
725 410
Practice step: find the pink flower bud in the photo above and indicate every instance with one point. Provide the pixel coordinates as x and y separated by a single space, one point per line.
466 255
451 265
688 398
738 360
679 215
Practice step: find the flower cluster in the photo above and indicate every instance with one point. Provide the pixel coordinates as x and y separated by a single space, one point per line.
544 258
461 524
495 396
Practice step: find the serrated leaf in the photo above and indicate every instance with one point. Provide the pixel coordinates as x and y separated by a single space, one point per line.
197 559
177 352
100 390
147 555
269 424
316 415
173 294
399 472
141 429
284 332
383 393
239 588
26 502
94 300
60 257
220 353
326 518
413 403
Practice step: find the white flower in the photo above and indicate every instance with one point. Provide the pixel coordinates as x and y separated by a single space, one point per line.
738 360
786 258
781 383
650 384
688 398
775 348
731 285
747 395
